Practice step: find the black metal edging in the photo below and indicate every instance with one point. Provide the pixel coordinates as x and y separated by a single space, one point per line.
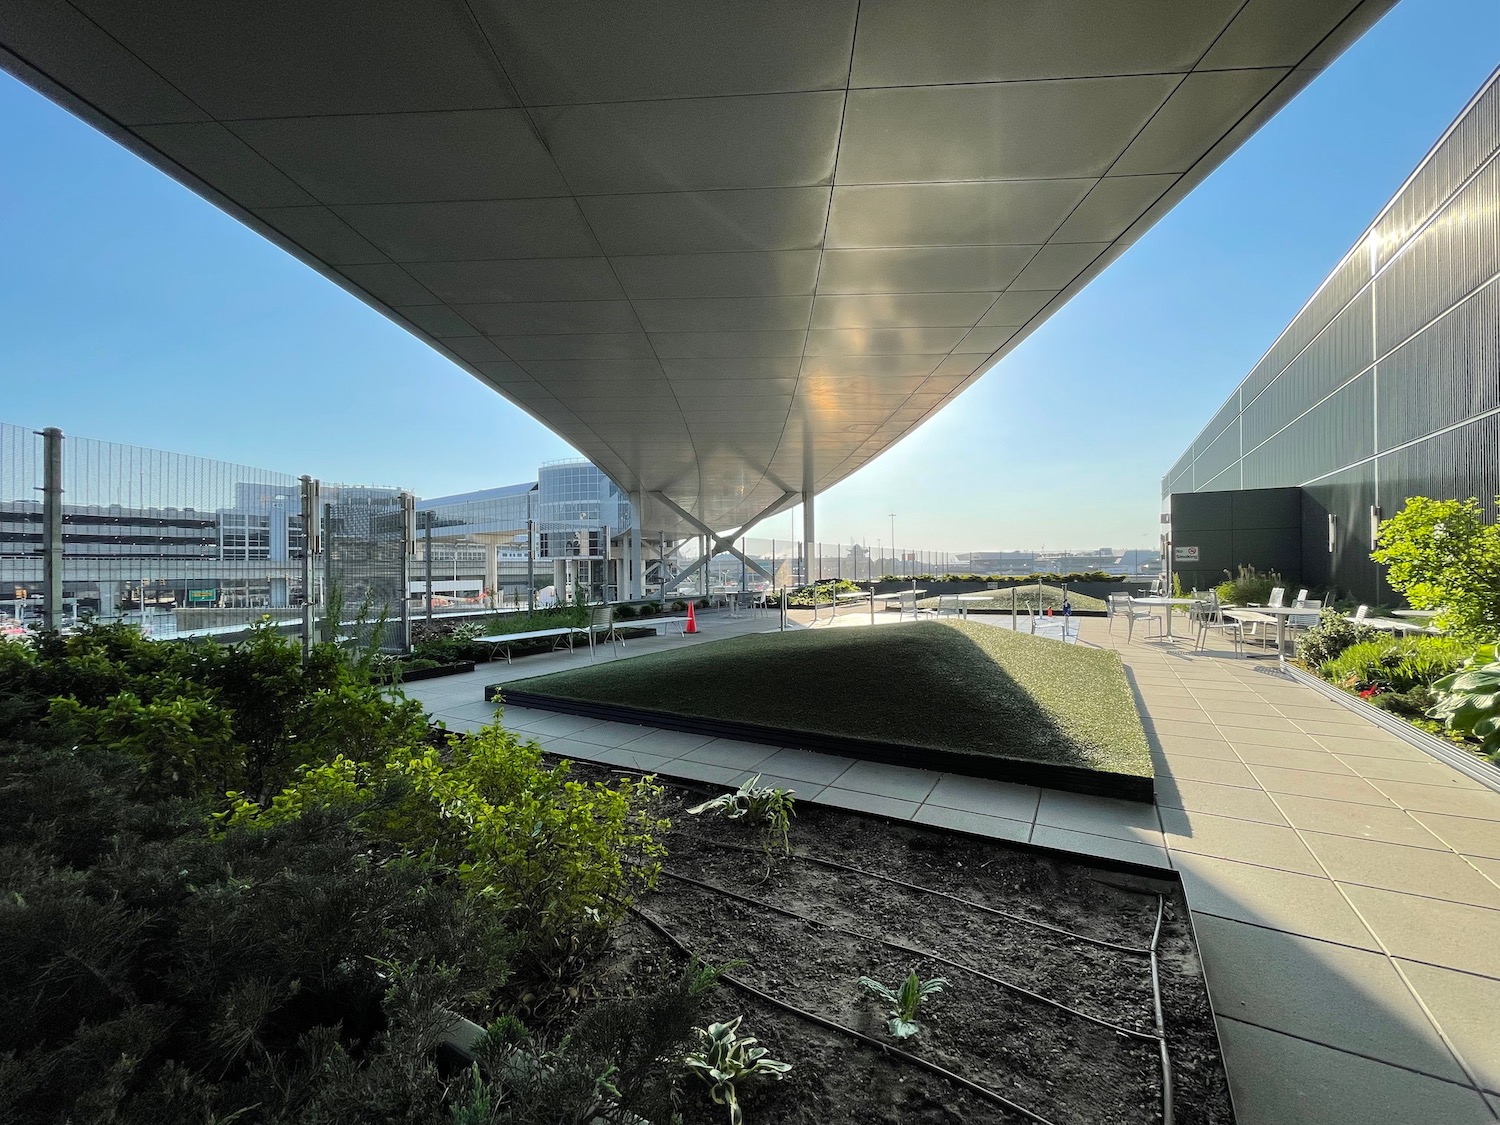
1074 779
1461 760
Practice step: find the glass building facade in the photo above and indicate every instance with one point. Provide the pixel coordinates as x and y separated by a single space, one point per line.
1386 385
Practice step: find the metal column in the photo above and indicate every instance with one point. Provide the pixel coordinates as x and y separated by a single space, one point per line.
408 552
311 542
52 530
637 576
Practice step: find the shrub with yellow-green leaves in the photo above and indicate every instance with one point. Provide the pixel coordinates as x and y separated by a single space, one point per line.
553 854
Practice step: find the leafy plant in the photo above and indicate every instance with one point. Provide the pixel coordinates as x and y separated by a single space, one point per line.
1443 556
722 1056
1395 665
772 807
1248 586
905 1002
1331 636
1469 700
555 856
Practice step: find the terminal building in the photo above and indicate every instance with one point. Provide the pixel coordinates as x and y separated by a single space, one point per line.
1385 386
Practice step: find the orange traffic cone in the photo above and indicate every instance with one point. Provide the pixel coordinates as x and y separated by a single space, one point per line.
692 622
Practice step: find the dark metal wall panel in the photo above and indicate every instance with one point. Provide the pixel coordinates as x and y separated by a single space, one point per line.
1404 338
1340 352
1452 465
1338 431
1453 255
1464 346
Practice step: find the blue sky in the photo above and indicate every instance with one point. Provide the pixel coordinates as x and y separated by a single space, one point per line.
132 310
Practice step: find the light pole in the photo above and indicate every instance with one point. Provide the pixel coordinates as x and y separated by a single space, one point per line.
893 537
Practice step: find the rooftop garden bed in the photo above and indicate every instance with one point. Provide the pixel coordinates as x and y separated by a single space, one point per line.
954 696
1036 598
244 888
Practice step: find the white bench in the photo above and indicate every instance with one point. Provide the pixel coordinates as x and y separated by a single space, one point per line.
505 640
652 622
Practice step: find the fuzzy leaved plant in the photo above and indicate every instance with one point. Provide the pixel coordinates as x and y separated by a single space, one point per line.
773 808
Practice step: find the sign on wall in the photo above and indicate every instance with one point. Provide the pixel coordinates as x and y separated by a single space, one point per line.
1184 554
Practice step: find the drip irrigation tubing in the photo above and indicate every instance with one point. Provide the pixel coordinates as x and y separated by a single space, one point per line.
831 1025
1131 1032
1135 950
1161 1024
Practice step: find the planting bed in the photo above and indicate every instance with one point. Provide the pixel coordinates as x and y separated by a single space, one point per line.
1050 1013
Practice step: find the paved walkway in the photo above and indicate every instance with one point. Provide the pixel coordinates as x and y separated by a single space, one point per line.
1345 887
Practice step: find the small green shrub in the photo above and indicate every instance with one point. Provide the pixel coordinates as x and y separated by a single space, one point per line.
1468 700
1249 586
772 808
625 612
1331 636
556 857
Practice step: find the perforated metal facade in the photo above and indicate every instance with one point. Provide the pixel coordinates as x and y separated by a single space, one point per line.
1387 383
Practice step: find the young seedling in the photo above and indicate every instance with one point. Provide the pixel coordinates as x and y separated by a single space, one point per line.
723 1057
773 807
904 1003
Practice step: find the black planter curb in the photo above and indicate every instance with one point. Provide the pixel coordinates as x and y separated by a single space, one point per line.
1074 779
457 669
1445 752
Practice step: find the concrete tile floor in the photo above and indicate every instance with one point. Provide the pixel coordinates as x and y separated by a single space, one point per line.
1345 886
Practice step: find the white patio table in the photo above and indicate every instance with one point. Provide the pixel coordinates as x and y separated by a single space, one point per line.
1168 603
1280 612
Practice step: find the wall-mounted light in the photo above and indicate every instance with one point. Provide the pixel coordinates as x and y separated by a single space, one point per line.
1374 526
1333 532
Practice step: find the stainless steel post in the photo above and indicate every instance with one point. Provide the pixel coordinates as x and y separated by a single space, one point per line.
52 530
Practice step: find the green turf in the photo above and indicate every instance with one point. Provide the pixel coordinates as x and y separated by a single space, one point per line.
1052 598
956 686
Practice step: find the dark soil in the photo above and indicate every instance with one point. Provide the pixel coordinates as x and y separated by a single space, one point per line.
1054 1063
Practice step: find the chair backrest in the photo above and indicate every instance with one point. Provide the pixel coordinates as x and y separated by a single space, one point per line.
1314 609
601 616
1278 594
1301 598
1361 613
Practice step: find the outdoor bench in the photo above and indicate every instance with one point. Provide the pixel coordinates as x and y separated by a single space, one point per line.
506 640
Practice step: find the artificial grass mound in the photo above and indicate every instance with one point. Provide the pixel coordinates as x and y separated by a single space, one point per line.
1052 597
958 688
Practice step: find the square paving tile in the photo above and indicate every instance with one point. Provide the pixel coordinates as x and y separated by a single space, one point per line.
997 827
633 760
1172 746
1282 900
806 765
1176 729
889 781
728 752
1211 769
568 747
1451 934
611 734
1396 867
1465 1007
1350 818
1371 748
675 743
560 725
1266 721
1341 997
1087 843
481 710
982 795
1351 727
704 771
1464 833
1103 816
1279 1080
1480 803
1299 709
1428 772
1312 783
1310 758
1222 800
1177 713
1247 841
867 802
